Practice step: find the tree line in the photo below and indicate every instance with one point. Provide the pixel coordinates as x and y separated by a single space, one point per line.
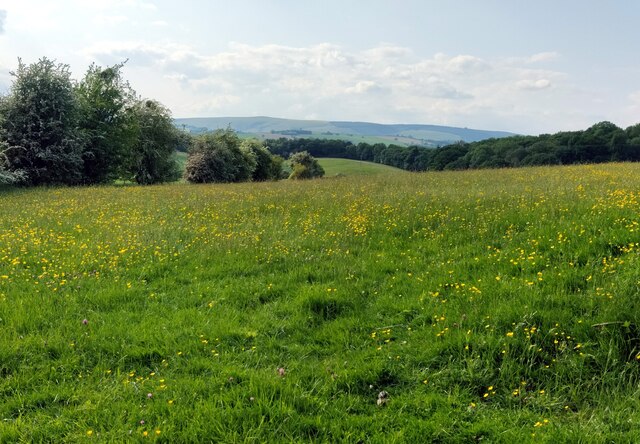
57 131
602 142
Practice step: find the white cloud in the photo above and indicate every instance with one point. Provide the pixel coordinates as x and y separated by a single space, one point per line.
463 64
364 87
110 19
387 52
384 83
3 18
544 57
108 5
532 84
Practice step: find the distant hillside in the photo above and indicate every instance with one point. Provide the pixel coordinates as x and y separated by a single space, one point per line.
348 167
400 134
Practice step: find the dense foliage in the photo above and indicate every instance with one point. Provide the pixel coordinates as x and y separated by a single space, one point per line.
152 157
218 157
40 125
54 130
304 166
107 123
603 142
222 156
268 166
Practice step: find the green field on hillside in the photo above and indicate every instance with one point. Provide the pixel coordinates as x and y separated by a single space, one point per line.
347 167
493 305
353 138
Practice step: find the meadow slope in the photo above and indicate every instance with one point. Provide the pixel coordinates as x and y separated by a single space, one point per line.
497 305
349 167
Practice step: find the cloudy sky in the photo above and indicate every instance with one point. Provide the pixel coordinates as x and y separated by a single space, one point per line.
516 65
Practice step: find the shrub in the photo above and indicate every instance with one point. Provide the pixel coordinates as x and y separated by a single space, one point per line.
219 157
304 166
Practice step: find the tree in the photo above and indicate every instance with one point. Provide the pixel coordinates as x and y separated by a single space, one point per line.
304 166
43 145
6 176
277 168
448 154
185 139
153 155
595 142
633 134
410 160
104 99
220 157
268 167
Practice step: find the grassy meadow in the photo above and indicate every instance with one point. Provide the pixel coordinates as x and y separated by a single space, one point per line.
347 167
494 305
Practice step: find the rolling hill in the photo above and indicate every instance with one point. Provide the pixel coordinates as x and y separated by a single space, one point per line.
348 167
400 134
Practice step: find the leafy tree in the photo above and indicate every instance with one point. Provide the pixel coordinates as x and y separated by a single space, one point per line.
410 160
594 144
365 151
633 134
267 166
185 140
480 157
540 158
6 176
104 99
40 122
394 155
305 166
421 162
153 155
246 164
460 163
277 168
219 157
378 150
447 154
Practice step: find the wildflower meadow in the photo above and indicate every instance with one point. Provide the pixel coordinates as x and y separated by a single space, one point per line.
495 305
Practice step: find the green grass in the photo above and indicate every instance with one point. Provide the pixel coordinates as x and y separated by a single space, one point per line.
181 157
347 167
499 306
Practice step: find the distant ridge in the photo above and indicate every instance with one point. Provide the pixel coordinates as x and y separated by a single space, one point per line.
401 134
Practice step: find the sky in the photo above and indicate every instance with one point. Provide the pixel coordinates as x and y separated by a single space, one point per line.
525 66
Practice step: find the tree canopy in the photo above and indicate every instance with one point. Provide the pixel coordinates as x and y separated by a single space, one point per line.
54 130
105 100
40 125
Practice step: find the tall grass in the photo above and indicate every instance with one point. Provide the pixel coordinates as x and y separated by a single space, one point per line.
495 305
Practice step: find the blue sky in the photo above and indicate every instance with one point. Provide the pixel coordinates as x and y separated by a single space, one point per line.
523 66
